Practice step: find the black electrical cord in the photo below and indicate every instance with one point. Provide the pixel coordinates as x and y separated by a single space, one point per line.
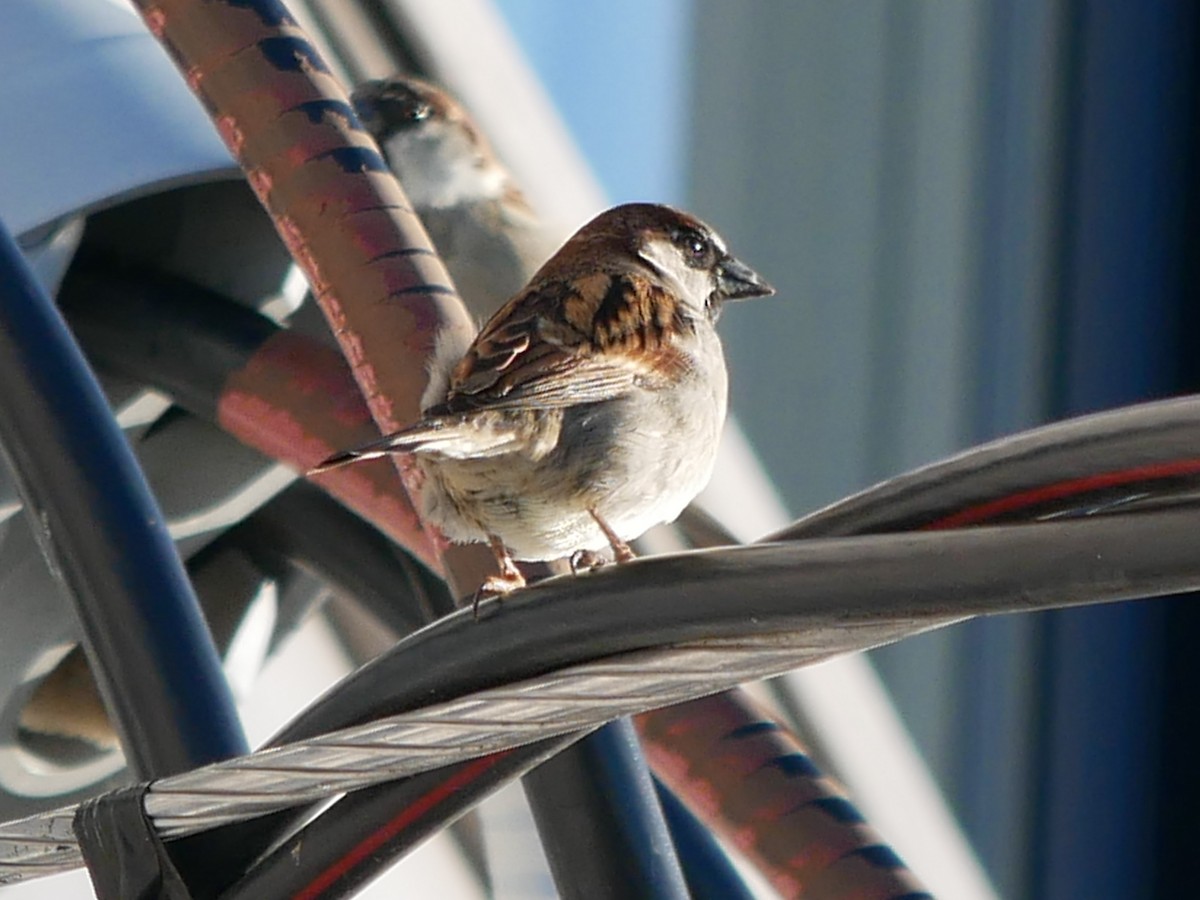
361 834
186 340
304 532
994 569
1122 456
588 837
304 527
1081 464
161 330
103 534
848 593
1105 439
316 534
1047 452
402 842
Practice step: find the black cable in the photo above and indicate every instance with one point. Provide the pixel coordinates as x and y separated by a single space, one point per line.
709 871
187 340
1005 568
1097 428
161 330
1147 554
100 528
1112 459
833 589
1156 442
303 526
590 810
1150 445
335 855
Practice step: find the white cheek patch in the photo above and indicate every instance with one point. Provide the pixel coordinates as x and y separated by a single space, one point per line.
692 285
438 168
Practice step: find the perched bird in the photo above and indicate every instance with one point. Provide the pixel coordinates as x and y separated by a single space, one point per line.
587 410
477 218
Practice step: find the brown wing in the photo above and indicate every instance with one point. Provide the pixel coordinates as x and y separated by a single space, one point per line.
566 342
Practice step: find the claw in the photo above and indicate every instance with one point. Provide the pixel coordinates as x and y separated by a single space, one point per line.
496 586
585 561
507 580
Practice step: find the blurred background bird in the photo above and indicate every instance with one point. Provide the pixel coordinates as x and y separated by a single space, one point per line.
488 236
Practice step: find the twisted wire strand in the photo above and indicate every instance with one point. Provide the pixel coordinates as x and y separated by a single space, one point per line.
581 696
822 597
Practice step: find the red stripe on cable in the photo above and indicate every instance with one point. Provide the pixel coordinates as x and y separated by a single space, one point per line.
376 839
973 515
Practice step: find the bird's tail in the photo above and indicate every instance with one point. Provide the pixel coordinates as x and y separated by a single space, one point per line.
450 436
408 440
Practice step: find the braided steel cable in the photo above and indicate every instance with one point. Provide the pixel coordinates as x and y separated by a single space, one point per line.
335 855
1121 459
744 621
575 698
402 745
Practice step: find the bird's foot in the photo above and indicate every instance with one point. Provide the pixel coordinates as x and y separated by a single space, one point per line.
507 580
585 561
497 586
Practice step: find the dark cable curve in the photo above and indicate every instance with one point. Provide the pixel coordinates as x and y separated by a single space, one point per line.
1036 473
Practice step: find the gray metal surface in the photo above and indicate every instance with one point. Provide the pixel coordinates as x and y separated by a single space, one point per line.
102 112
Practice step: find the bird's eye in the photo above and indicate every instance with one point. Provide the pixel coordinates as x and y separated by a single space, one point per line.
696 247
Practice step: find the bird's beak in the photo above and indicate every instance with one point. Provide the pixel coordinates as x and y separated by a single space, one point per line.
737 281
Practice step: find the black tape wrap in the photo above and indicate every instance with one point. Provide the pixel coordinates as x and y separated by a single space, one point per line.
125 857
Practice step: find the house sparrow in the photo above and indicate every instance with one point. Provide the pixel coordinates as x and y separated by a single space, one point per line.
588 409
480 223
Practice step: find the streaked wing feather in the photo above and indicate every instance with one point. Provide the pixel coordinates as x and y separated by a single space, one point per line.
567 342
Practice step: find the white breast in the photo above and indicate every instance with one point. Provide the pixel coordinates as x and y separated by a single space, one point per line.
637 461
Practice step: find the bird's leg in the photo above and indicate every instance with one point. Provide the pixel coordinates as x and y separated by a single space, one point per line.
506 581
621 550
